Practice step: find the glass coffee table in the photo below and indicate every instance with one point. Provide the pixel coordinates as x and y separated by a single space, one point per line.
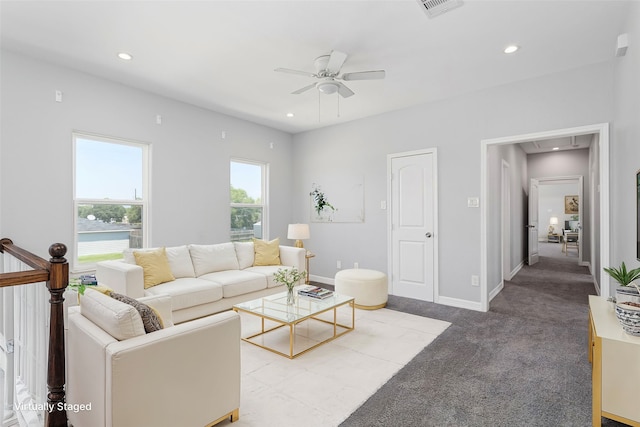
274 309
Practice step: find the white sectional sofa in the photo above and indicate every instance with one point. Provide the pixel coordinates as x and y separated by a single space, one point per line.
207 279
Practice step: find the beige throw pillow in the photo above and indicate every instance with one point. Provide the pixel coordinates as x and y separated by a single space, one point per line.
118 319
155 267
266 253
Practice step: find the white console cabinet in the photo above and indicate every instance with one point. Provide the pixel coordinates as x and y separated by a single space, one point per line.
615 359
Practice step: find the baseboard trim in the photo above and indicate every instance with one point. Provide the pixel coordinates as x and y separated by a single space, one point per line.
596 285
516 270
453 302
321 279
496 291
460 303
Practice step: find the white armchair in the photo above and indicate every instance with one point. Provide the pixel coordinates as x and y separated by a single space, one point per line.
183 375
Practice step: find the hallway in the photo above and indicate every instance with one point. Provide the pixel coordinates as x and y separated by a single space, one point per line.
556 289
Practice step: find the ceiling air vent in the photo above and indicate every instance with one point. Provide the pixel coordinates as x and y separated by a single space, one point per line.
434 8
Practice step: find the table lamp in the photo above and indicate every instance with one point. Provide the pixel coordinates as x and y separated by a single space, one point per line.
298 232
552 221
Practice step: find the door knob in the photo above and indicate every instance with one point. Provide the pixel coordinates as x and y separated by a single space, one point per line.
428 235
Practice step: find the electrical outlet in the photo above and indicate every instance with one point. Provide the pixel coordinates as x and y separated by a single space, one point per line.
475 280
338 264
355 265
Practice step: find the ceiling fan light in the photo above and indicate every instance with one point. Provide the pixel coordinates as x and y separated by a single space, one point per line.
328 87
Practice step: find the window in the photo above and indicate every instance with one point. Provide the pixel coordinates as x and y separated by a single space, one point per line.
248 200
110 198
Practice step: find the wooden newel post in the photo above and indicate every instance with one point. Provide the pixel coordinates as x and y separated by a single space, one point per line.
56 416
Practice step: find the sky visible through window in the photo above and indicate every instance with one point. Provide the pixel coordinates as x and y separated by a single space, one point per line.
107 170
248 177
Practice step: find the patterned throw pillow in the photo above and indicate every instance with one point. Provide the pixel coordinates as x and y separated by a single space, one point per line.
266 253
150 318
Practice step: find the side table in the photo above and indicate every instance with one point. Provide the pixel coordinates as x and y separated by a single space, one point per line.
307 257
553 238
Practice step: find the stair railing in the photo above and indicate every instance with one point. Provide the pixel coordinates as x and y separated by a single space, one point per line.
55 273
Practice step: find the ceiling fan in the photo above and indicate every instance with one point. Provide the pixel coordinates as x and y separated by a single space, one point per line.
328 73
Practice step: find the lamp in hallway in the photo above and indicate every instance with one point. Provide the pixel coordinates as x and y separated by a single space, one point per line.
552 222
298 232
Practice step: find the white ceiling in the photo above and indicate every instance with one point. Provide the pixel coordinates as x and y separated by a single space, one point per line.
557 144
220 55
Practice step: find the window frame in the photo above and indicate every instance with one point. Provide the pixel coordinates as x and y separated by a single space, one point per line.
264 205
144 201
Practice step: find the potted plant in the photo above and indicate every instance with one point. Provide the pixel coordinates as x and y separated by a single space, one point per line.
628 291
289 277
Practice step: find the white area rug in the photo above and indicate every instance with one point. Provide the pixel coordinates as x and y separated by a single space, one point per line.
324 386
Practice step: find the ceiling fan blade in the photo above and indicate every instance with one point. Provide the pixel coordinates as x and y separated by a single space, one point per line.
304 89
300 73
364 75
344 91
336 59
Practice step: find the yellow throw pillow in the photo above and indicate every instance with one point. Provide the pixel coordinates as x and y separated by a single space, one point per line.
100 288
267 253
155 266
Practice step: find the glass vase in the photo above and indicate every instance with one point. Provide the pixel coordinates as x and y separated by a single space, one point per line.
290 296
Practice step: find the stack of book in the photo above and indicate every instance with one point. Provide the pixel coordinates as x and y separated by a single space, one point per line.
88 279
315 292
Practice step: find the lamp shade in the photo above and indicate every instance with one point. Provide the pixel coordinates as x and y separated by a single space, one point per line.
553 220
298 231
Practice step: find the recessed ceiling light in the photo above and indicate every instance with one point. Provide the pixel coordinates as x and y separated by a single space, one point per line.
125 56
555 148
511 48
289 114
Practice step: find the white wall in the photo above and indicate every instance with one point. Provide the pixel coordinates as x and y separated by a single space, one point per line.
625 148
456 127
551 204
189 164
517 161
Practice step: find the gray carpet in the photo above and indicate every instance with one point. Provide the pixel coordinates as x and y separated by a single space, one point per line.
524 363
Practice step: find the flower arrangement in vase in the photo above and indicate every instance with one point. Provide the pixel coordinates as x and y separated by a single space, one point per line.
290 278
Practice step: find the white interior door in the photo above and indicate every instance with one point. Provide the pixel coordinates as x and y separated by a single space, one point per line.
533 222
413 233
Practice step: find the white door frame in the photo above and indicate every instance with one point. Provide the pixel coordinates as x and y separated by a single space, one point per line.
602 130
533 223
506 221
434 152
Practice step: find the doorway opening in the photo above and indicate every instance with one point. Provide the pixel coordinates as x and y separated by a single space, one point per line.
562 238
492 272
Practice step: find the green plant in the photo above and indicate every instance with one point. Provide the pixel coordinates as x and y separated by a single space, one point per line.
622 275
77 285
320 200
289 276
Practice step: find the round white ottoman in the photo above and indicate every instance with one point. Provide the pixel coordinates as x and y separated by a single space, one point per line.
368 287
